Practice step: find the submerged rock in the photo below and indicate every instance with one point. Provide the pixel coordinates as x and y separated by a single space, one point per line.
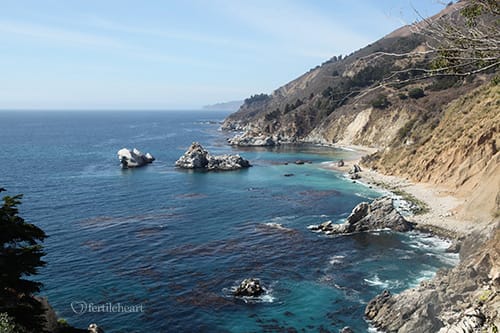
196 157
250 288
134 158
380 214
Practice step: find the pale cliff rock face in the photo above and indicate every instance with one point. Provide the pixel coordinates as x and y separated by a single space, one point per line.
369 127
461 152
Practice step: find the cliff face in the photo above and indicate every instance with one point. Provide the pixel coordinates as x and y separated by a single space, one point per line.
459 150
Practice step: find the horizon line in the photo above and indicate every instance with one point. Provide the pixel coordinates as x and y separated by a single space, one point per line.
111 110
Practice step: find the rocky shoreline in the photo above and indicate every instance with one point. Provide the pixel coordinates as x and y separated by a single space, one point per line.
463 299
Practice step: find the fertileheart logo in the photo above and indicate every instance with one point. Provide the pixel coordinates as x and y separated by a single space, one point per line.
79 307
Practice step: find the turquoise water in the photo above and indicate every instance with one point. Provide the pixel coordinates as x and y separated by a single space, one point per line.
173 242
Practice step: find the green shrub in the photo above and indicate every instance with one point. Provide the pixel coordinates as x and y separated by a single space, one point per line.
404 131
380 102
416 93
272 115
443 83
7 324
327 92
257 98
62 322
496 80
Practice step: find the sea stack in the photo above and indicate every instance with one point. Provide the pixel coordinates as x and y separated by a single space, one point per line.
196 157
134 158
380 214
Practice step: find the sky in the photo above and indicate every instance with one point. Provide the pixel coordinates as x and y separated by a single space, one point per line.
177 54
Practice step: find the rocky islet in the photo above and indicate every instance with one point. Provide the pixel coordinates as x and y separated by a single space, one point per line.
196 157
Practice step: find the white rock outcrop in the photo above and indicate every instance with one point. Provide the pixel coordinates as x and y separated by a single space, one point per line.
251 139
134 158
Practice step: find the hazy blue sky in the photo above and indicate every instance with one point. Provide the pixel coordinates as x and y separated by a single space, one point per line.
107 54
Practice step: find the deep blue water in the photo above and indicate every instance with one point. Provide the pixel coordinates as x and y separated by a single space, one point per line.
175 242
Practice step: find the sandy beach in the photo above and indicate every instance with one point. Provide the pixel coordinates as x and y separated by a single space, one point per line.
444 209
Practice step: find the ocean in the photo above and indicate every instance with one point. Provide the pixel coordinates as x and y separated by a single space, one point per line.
158 249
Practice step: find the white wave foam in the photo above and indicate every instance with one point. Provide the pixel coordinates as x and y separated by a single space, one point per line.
424 275
336 260
277 226
362 195
372 329
265 298
385 284
451 259
313 226
375 281
278 219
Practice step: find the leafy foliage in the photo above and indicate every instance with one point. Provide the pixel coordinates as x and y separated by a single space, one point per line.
443 82
327 92
416 93
7 324
406 129
256 98
272 115
380 102
469 48
20 257
369 75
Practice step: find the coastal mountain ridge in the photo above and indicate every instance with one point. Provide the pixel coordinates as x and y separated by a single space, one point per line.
442 130
346 102
224 106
